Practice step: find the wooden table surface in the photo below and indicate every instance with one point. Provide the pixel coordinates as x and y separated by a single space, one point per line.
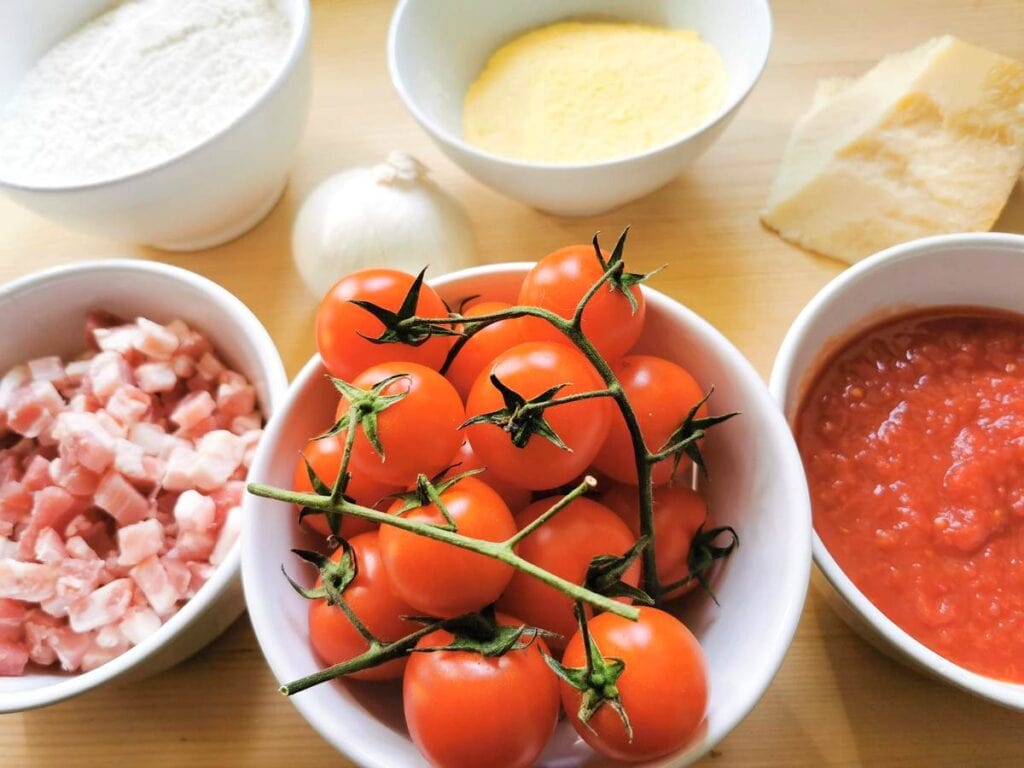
836 700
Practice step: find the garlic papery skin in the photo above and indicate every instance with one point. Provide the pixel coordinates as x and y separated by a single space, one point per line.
388 215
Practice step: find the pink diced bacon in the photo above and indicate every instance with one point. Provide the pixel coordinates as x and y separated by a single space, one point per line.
138 541
154 340
13 658
120 499
193 409
121 479
107 604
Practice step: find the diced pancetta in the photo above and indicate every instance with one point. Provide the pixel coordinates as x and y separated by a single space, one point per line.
152 580
154 340
123 492
156 377
101 607
138 541
120 499
193 409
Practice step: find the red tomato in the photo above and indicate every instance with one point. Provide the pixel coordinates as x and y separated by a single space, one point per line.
333 636
325 458
466 710
661 393
564 545
530 369
679 512
663 688
341 325
419 434
560 280
440 579
484 345
516 498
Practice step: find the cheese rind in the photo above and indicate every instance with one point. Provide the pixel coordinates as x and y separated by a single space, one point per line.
928 142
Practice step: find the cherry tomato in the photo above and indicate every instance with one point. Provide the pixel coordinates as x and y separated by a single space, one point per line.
440 579
466 459
679 512
484 345
341 325
333 636
662 394
564 545
663 688
530 369
466 710
419 434
558 282
325 458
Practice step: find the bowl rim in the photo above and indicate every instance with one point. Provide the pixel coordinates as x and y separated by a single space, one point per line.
298 44
788 463
783 377
614 163
67 686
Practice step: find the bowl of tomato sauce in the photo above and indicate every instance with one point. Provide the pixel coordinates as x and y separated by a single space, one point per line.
903 382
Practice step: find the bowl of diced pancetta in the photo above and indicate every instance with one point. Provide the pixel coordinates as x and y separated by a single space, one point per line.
132 396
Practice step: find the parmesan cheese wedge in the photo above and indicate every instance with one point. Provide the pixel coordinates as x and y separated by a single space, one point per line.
928 142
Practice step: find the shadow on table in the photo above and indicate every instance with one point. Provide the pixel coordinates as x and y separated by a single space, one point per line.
899 716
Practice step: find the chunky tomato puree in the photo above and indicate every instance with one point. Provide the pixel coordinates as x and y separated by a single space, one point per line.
913 442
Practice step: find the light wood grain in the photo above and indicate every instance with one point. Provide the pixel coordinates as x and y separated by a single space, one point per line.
836 701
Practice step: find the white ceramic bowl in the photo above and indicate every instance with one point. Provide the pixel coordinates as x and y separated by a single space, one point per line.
757 485
206 195
44 314
985 270
436 49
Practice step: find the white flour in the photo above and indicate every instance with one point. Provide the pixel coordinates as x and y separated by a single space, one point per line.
137 85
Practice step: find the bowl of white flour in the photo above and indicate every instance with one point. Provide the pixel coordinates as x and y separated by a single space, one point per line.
165 122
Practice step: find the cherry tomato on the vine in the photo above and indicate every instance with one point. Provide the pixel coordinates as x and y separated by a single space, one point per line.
679 512
466 459
466 710
484 345
324 456
419 434
561 279
663 688
334 637
440 579
662 394
341 325
564 545
530 369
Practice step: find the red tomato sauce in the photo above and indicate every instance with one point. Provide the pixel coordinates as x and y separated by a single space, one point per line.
913 442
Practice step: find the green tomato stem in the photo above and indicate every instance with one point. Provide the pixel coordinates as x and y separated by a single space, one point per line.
497 550
588 484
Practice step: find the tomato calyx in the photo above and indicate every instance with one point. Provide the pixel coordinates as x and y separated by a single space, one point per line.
684 441
596 681
364 406
481 633
429 491
402 326
605 572
522 418
614 267
321 488
335 575
704 553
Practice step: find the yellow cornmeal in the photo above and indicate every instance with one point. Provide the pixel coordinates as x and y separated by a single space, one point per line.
578 92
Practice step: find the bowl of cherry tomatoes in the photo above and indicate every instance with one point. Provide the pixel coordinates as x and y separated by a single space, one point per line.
474 571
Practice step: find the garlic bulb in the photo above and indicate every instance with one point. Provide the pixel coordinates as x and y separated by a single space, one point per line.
388 215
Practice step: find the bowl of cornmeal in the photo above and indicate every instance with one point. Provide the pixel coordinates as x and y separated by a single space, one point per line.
580 106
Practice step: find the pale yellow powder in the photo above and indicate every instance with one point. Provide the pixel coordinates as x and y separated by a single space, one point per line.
577 92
